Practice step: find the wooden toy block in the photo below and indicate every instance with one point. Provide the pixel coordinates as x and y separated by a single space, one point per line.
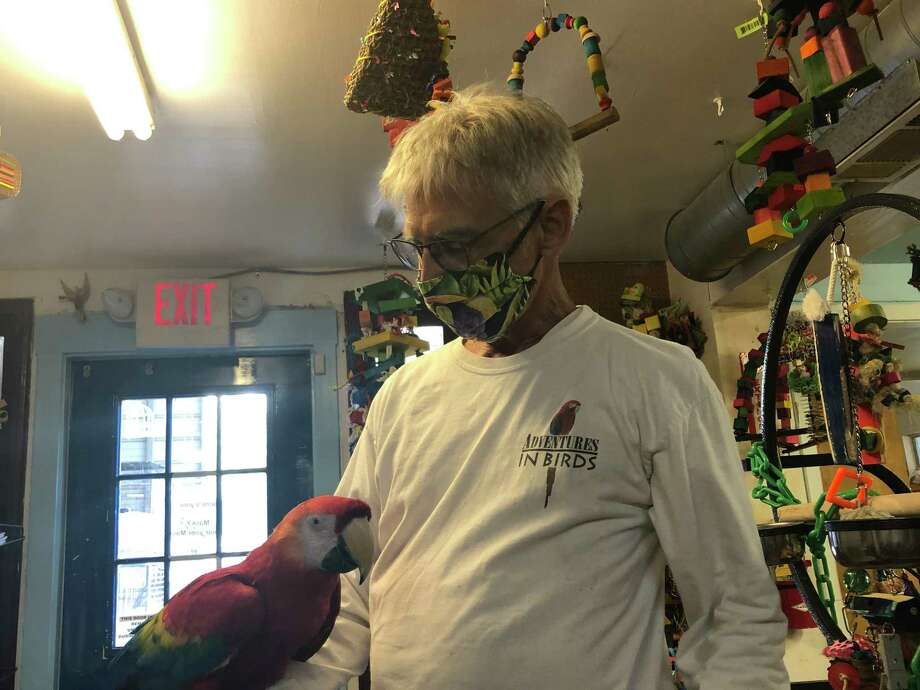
810 47
817 72
762 215
769 235
813 204
375 345
782 161
793 121
773 84
787 142
775 100
745 403
815 162
652 323
818 181
760 196
640 327
785 197
777 67
785 403
740 424
844 52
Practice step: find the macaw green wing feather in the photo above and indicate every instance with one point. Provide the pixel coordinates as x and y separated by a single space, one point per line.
198 632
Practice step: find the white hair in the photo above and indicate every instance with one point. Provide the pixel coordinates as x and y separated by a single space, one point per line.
507 147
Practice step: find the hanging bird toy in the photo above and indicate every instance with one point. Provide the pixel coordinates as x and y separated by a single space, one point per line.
590 41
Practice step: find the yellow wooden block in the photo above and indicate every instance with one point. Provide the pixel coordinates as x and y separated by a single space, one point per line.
818 181
640 327
769 234
784 403
652 323
398 341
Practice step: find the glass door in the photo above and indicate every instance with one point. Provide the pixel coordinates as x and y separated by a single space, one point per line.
176 467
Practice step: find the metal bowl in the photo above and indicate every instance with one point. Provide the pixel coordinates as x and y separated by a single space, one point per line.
783 542
886 543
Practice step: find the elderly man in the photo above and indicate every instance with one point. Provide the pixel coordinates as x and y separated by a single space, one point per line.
530 480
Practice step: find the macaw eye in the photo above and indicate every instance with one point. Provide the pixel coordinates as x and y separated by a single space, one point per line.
315 521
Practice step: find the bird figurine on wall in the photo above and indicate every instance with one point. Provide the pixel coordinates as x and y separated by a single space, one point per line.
238 627
560 426
77 296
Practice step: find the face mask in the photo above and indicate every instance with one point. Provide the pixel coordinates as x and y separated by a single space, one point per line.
481 302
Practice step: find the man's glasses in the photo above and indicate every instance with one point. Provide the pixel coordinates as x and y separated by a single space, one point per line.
455 255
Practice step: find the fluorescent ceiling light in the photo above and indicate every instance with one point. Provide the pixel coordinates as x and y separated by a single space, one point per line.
109 71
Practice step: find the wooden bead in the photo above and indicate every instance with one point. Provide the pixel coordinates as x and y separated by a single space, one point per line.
519 56
601 91
595 63
526 47
569 21
541 30
517 68
605 103
583 31
600 79
532 38
591 47
580 22
554 25
516 82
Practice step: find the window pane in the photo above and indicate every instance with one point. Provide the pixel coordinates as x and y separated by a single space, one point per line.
194 434
244 511
227 561
138 595
142 444
193 519
182 573
141 517
243 431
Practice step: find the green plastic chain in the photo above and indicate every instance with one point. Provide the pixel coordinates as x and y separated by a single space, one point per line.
771 482
815 540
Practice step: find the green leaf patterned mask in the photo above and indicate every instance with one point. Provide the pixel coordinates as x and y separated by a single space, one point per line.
481 302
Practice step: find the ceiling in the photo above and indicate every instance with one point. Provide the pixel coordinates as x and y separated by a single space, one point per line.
256 162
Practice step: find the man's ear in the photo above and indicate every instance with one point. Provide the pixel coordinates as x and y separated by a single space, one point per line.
556 221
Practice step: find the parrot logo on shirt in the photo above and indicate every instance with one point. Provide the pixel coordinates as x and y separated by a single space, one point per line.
561 425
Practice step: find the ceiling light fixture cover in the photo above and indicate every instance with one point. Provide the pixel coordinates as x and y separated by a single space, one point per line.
109 71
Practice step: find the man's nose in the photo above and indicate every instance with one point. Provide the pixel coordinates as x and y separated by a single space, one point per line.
427 267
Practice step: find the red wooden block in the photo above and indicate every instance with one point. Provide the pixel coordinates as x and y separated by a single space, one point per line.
785 197
787 142
844 52
763 215
776 100
778 67
746 403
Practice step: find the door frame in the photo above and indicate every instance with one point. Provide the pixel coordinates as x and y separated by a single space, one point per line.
59 339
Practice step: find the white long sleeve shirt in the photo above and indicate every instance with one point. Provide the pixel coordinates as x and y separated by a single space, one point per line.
477 585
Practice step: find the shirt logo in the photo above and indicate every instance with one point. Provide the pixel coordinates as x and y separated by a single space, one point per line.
558 448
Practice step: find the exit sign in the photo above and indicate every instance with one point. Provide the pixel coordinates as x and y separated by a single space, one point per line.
183 313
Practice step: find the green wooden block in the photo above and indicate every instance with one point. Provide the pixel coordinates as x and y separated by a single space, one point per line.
387 306
815 203
741 424
817 73
793 121
836 93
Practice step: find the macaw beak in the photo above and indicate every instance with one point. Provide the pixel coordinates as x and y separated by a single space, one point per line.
355 549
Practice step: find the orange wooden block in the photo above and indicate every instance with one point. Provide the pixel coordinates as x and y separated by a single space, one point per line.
818 181
777 67
810 47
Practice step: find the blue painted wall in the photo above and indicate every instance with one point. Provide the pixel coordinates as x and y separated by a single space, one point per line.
59 338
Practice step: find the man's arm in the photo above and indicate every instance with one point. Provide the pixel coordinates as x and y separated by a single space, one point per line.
702 514
345 654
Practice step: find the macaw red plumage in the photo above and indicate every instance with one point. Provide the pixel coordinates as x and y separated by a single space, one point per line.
237 628
561 425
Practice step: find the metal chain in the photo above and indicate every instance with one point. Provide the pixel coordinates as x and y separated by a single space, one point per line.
847 297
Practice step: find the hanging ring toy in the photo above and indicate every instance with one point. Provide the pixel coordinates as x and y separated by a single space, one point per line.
590 41
863 482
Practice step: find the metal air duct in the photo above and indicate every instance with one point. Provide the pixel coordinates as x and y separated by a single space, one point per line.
705 240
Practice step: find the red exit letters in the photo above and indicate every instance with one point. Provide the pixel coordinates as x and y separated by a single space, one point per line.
177 303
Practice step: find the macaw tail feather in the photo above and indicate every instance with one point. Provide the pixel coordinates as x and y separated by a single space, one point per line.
550 480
